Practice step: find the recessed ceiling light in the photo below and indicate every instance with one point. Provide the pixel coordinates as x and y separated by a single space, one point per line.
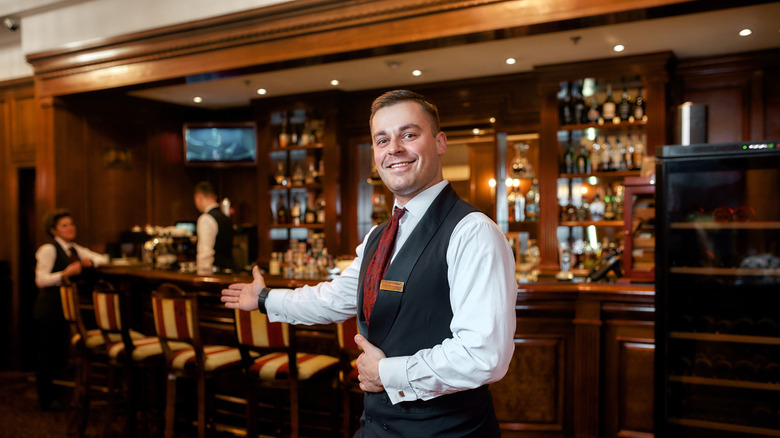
745 32
197 99
511 61
618 48
416 72
262 91
334 82
492 120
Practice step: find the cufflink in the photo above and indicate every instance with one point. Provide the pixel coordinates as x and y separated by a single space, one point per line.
401 394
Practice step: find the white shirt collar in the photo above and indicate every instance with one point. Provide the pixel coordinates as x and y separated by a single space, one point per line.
418 205
65 245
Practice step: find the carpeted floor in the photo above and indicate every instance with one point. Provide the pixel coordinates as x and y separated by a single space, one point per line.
19 413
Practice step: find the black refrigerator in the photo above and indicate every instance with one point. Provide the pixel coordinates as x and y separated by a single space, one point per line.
717 359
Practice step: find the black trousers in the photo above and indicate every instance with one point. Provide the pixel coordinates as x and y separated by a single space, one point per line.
53 344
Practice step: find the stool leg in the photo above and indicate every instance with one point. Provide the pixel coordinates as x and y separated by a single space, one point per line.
201 406
170 405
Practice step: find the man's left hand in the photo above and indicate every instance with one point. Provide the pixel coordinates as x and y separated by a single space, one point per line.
368 365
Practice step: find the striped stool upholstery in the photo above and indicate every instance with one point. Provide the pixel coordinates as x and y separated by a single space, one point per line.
176 321
89 348
348 373
271 361
129 352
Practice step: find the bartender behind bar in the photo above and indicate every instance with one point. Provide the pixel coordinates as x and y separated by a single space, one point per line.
215 232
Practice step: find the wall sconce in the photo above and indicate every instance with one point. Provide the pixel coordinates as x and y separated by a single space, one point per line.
492 184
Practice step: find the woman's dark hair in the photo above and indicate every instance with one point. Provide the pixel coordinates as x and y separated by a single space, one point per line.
51 219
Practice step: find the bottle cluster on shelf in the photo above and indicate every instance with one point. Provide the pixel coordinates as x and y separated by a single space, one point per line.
304 208
617 152
304 171
523 205
585 202
308 259
581 102
296 127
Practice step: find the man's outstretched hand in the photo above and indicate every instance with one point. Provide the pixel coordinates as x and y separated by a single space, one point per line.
244 295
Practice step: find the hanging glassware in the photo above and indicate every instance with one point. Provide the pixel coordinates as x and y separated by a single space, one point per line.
521 167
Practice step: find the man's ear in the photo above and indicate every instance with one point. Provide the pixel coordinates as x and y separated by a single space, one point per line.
441 143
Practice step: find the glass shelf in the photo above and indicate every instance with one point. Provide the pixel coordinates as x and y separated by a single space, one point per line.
718 337
726 382
746 272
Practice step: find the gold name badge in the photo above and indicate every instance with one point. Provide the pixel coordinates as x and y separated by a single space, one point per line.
395 286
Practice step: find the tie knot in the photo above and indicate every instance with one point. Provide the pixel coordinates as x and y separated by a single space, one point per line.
398 213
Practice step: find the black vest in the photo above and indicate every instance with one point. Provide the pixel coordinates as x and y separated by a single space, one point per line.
419 317
48 304
223 244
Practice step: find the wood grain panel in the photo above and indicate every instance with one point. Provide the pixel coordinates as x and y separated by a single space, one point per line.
724 113
635 382
23 126
530 395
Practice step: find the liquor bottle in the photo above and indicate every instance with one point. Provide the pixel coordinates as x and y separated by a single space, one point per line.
310 216
297 177
569 160
279 177
583 161
320 206
597 208
609 207
618 153
608 107
639 151
624 108
295 213
564 105
284 134
311 174
606 155
593 111
639 106
580 113
532 202
628 154
510 201
281 214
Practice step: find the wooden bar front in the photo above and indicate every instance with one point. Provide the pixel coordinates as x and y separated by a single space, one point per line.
582 364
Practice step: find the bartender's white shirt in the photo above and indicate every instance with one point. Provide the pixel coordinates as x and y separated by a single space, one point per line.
483 293
46 255
206 229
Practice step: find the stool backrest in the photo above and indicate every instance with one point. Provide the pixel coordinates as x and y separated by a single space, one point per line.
110 307
71 309
176 319
253 329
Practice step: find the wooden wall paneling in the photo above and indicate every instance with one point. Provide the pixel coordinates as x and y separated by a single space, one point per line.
628 378
587 351
772 104
482 157
728 107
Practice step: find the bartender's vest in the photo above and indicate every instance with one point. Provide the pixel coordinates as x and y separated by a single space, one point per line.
417 317
48 303
223 244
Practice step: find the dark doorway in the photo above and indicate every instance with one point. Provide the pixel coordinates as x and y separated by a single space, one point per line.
25 336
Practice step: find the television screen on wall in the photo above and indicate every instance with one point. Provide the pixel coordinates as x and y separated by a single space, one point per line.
220 144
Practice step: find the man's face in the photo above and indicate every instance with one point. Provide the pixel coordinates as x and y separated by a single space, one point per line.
65 229
406 152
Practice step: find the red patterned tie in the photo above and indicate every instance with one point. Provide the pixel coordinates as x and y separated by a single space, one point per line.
74 256
378 264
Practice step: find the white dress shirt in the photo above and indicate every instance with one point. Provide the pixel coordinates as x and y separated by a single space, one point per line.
483 293
47 254
206 229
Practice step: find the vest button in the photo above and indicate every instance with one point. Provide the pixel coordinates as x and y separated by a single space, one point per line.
369 419
385 427
384 400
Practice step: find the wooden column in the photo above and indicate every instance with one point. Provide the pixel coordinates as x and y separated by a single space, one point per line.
587 351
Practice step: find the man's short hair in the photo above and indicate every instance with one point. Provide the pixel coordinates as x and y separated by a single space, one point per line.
51 219
205 188
391 98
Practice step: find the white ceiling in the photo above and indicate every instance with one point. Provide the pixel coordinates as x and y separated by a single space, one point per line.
703 34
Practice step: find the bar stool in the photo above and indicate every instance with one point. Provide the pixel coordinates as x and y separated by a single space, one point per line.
89 349
176 321
271 360
130 353
348 373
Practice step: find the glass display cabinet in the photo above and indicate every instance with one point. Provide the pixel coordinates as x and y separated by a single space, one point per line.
717 371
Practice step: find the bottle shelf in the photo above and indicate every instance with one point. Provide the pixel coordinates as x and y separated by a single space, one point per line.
767 225
701 424
617 174
589 223
718 337
743 272
315 186
729 383
605 126
297 148
308 226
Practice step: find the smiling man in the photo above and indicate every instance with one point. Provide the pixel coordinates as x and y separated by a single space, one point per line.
433 289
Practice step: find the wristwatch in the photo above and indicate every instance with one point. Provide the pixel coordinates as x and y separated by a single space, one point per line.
261 299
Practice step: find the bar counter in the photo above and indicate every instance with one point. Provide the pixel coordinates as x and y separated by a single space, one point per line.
582 365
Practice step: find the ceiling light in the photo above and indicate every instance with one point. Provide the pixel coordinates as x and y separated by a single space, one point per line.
618 48
262 91
416 72
511 61
492 120
197 99
745 32
475 131
334 82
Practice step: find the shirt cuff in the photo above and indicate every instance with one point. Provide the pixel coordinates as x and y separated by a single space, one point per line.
392 373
